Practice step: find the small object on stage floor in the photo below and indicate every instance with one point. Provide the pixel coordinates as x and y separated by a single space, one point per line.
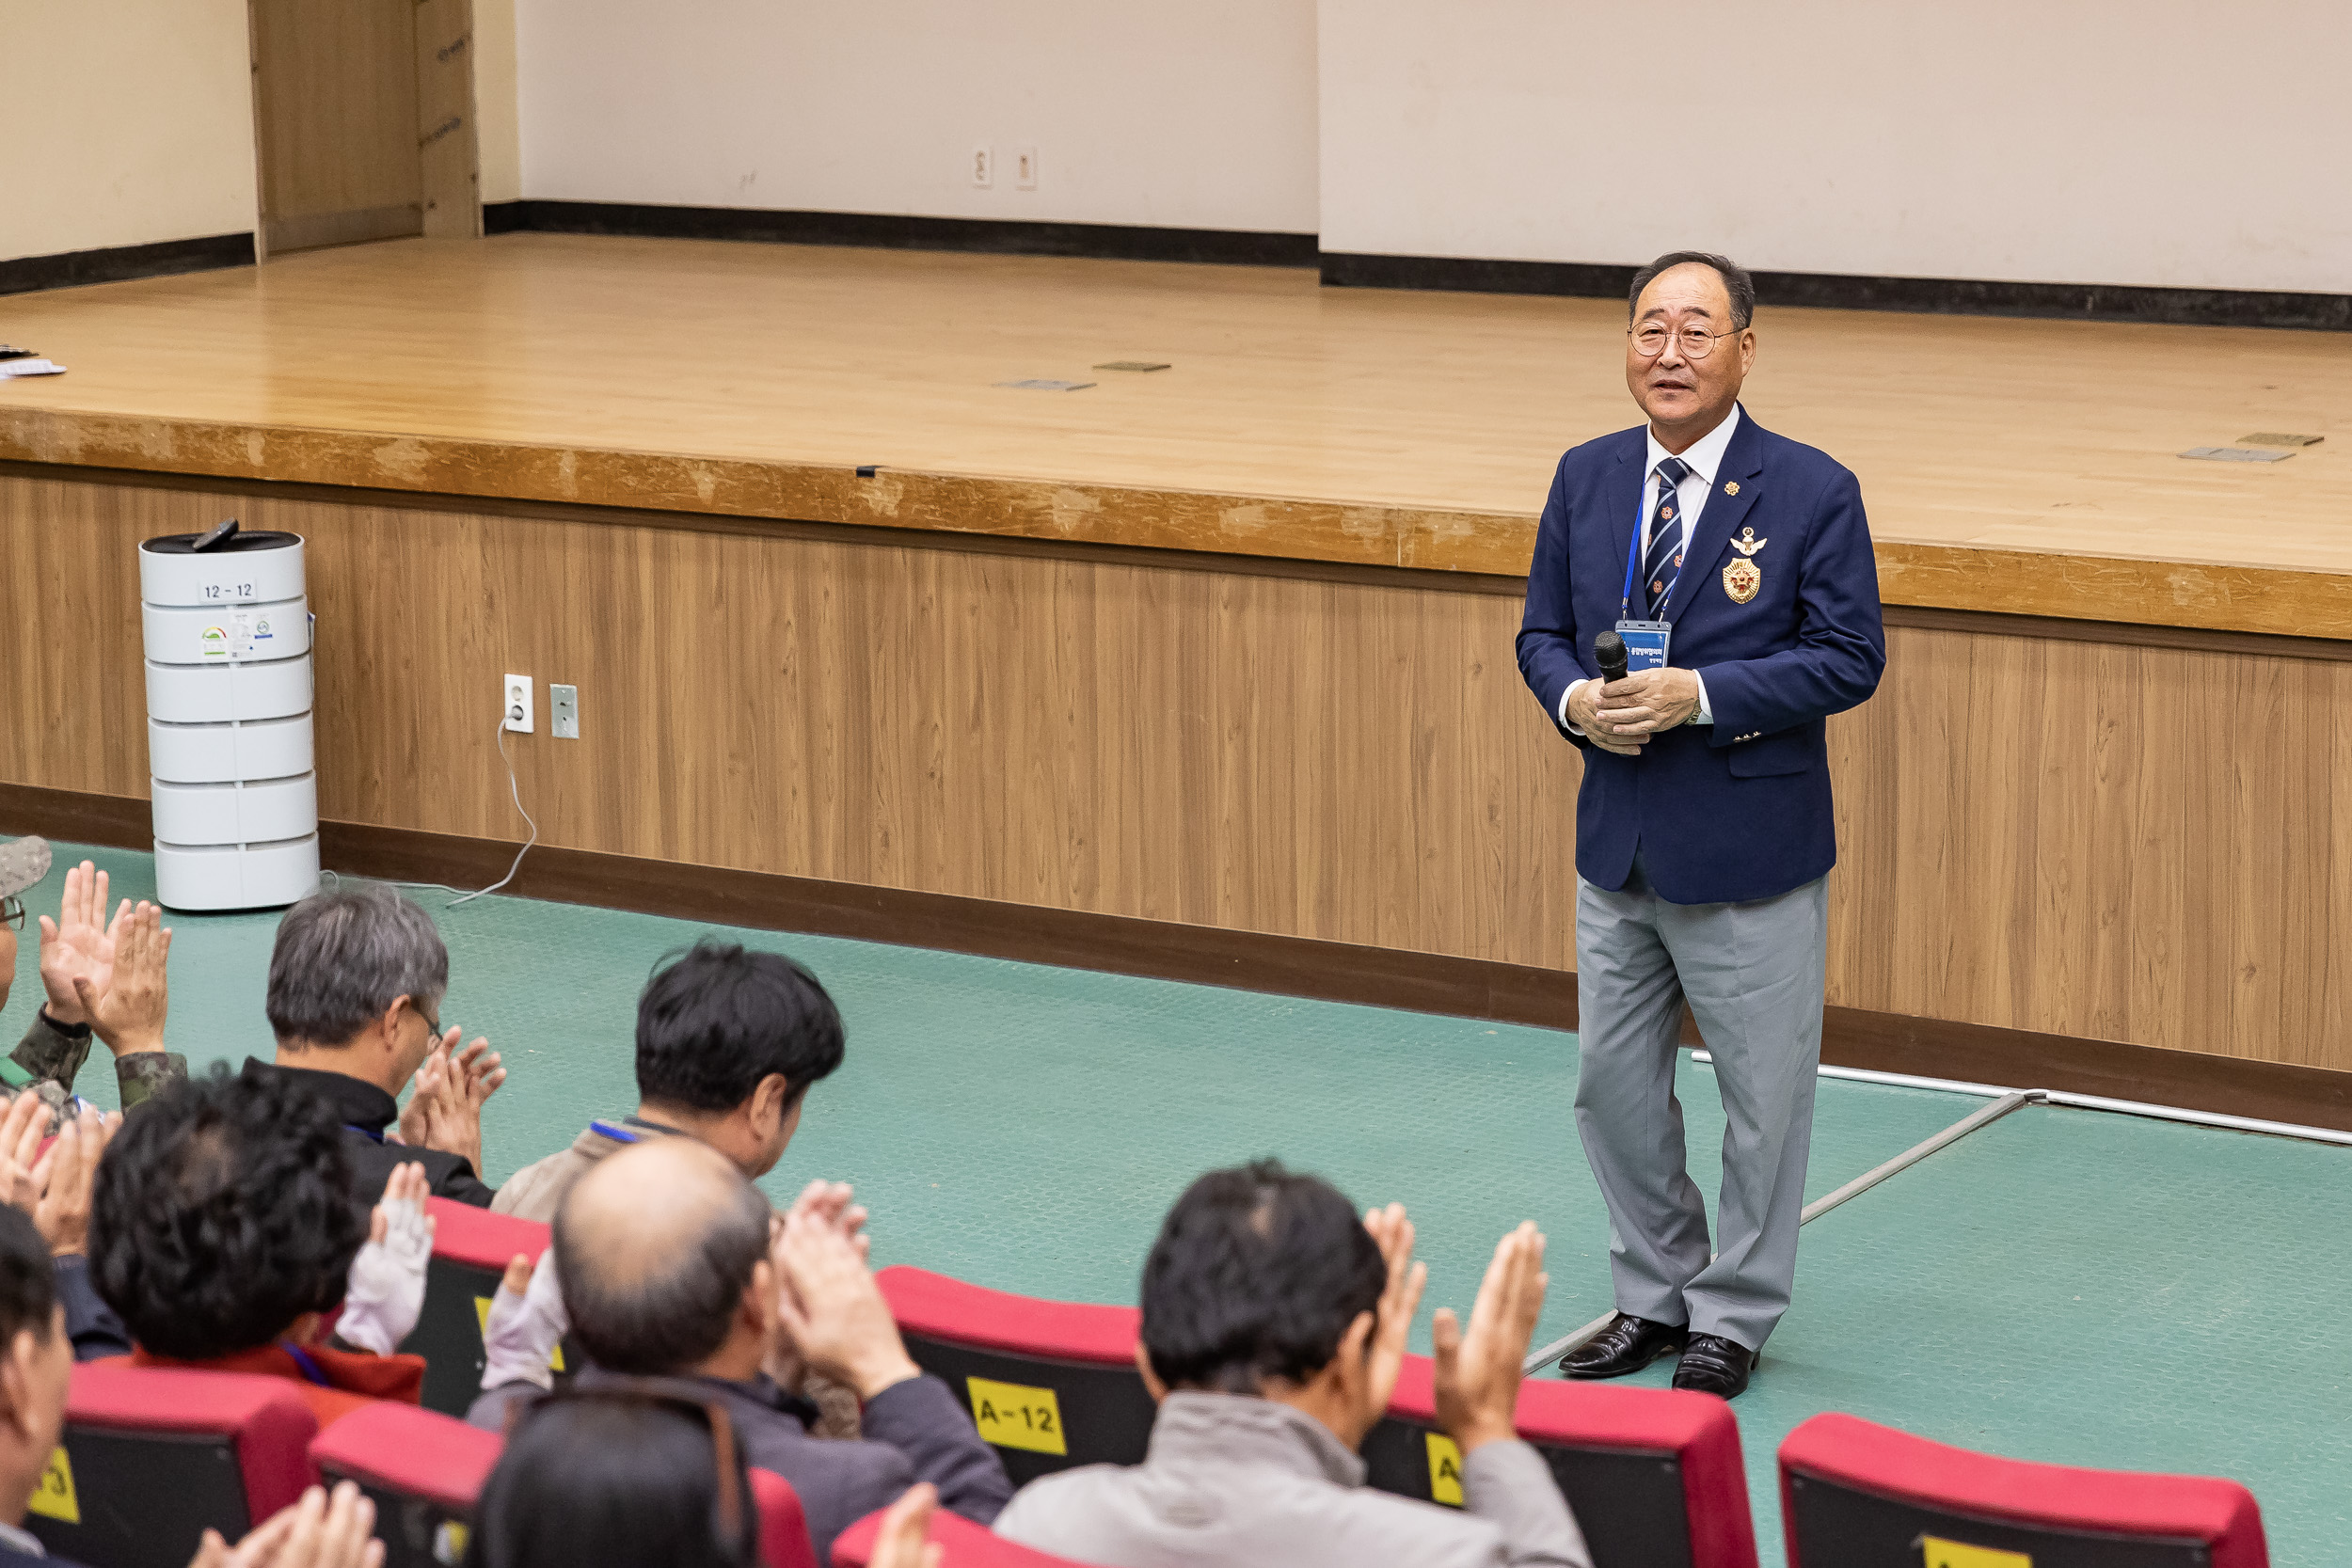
1133 364
2236 454
2260 437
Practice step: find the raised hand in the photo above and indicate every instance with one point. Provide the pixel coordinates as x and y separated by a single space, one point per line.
1478 1371
829 1203
904 1540
129 1014
833 1311
79 943
385 1294
1399 1300
315 1533
21 1132
64 1178
428 1094
526 1323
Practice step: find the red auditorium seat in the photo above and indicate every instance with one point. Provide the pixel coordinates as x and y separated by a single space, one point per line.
1655 1477
962 1545
150 1457
1854 1493
1052 1384
470 1249
424 1469
783 1541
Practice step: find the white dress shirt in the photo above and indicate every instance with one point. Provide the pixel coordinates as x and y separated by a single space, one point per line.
1705 457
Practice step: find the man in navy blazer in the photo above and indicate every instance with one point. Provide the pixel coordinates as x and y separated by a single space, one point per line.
1735 565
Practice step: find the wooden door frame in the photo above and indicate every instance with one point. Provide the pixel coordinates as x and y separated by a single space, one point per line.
449 147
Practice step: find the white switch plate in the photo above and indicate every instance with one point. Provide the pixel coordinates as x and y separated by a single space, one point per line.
1025 167
563 711
516 705
983 165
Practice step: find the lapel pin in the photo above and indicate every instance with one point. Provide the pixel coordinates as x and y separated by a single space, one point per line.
1732 488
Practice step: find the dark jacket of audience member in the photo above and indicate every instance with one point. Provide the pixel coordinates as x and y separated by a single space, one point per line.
356 981
1253 1285
620 1482
222 1229
662 1253
728 1043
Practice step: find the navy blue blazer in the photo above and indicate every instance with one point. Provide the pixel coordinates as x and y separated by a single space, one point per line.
1738 809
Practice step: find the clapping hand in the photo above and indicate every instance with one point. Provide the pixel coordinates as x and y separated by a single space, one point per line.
904 1539
1399 1300
64 1178
834 1312
79 943
386 1291
129 1013
829 1202
316 1532
1478 1371
444 1110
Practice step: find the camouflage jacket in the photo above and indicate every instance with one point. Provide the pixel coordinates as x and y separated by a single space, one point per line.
50 1056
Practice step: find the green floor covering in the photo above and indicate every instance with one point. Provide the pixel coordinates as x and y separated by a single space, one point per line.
2067 1286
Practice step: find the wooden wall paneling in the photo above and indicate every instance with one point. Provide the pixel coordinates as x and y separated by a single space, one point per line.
2042 835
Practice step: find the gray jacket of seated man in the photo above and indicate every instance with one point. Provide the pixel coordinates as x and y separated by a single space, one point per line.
1236 1481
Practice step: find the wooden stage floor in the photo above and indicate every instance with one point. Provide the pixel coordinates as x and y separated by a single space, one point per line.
2020 465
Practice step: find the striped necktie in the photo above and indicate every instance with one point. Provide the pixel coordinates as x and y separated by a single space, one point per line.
1664 562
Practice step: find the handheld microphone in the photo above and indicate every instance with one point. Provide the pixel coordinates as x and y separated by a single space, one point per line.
1609 653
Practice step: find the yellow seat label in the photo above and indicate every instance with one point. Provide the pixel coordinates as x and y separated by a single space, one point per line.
54 1498
481 1317
1016 1415
1954 1554
1445 1470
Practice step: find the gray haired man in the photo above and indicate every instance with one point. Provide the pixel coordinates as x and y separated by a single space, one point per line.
356 981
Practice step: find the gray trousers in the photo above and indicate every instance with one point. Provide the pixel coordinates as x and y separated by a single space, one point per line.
1752 973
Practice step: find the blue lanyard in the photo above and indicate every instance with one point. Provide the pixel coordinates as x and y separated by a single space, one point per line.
367 1132
618 1135
302 1360
1632 561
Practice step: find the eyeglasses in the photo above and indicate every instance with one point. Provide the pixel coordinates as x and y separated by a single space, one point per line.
1697 341
667 1394
12 913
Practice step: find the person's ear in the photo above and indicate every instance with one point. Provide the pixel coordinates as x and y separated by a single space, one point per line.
16 1384
758 1305
771 1102
388 1025
1151 1384
1354 1359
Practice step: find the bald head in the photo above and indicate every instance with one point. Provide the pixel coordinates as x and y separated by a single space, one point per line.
655 1247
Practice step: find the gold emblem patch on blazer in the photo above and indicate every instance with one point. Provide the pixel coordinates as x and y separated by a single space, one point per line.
1742 579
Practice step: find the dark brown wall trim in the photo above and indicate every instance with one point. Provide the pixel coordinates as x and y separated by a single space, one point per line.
1960 296
1117 241
1246 960
71 269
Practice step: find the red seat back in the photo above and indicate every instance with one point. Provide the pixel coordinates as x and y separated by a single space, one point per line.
962 1545
783 1539
1854 1492
424 1469
1655 1477
471 1250
150 1457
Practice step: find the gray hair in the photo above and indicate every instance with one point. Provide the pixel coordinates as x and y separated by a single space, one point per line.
1737 283
343 956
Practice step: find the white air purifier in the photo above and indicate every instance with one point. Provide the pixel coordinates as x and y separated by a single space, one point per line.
229 747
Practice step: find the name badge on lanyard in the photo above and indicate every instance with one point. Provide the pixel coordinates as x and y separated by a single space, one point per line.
1646 642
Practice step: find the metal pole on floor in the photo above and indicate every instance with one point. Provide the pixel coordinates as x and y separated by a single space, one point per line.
1983 1115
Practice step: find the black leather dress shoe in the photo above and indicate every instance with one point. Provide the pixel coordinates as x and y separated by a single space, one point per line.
1627 1345
1714 1365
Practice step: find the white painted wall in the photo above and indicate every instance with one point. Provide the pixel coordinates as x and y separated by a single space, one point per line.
132 123
2165 143
1180 113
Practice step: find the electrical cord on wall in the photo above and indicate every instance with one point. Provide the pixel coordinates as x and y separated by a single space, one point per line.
515 789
